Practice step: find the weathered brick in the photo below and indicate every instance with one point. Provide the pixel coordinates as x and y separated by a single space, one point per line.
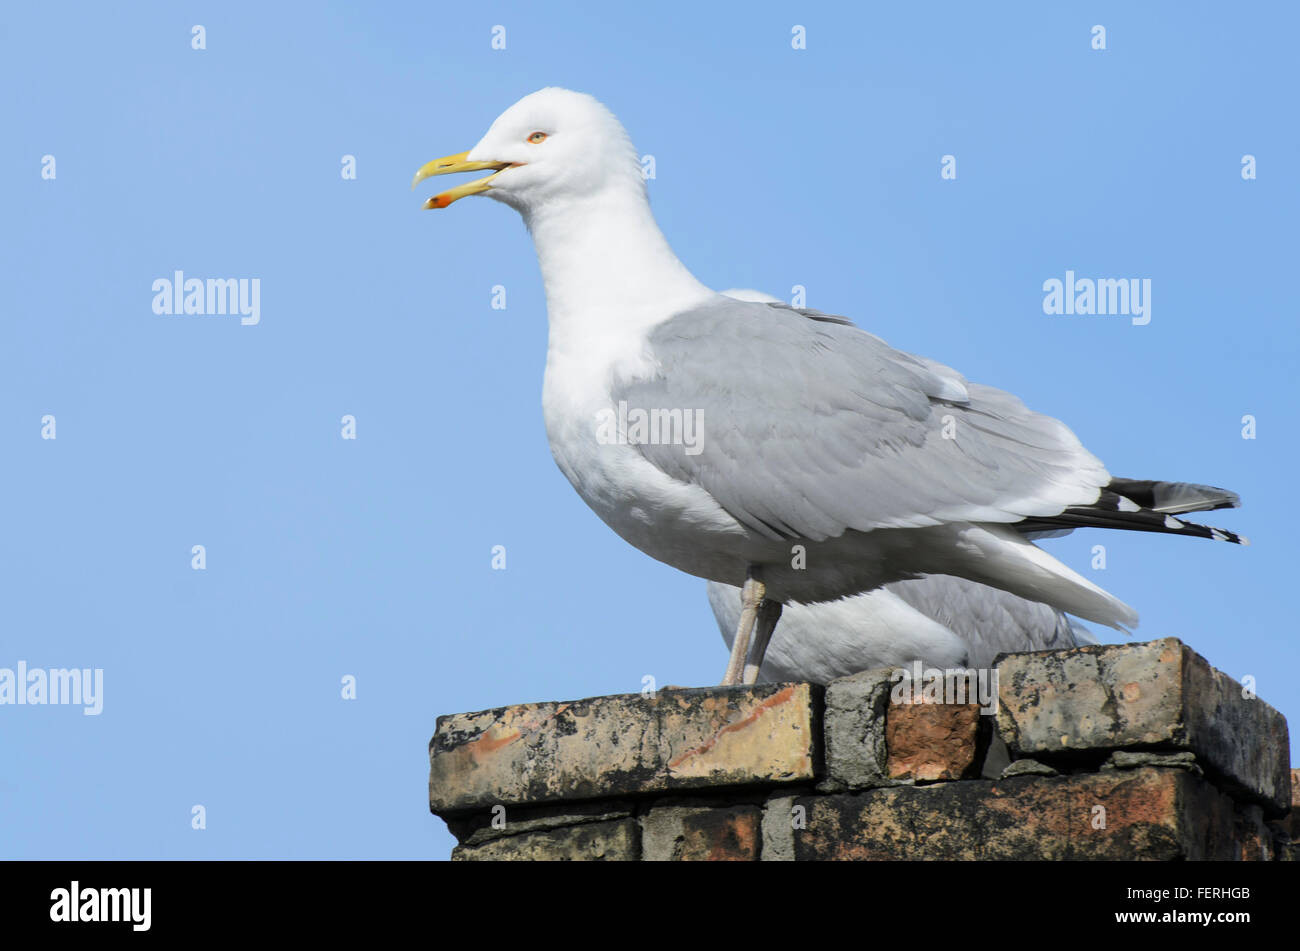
590 842
1160 695
1150 813
778 829
932 741
1254 838
701 833
854 730
1289 823
610 746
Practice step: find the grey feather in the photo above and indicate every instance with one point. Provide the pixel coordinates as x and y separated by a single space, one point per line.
989 620
812 428
939 620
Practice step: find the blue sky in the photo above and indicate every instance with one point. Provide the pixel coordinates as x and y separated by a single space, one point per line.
372 557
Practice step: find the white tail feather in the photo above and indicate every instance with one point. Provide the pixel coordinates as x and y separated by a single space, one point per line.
1009 561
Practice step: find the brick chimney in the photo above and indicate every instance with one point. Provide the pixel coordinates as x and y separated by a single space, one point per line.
1135 751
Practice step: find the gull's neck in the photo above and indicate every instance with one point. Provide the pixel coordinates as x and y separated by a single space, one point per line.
608 271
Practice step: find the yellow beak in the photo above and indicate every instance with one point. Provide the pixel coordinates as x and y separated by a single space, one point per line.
449 165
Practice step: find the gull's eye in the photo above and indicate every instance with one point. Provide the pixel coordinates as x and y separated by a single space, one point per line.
537 138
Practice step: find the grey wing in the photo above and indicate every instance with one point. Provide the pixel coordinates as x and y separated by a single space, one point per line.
813 427
989 620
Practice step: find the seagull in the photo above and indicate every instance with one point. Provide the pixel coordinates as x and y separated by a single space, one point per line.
943 622
939 620
781 450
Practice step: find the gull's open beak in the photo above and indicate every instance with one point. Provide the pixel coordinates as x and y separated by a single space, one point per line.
456 163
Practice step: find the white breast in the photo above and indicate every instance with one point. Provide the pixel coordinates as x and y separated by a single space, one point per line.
672 521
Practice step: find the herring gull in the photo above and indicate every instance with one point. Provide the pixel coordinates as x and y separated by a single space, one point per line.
823 462
940 620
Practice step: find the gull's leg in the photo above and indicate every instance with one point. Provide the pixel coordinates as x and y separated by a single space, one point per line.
769 612
751 596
